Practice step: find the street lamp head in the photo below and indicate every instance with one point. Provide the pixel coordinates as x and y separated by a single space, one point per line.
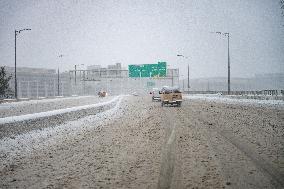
19 31
186 57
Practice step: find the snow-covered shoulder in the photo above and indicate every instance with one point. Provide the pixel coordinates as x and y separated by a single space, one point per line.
41 100
229 100
18 118
23 144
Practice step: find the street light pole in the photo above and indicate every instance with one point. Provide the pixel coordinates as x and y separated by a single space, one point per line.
75 72
16 92
58 77
183 85
58 82
172 77
16 32
188 76
187 70
229 66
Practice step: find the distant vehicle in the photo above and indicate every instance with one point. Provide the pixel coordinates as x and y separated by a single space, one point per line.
102 94
171 95
156 94
135 94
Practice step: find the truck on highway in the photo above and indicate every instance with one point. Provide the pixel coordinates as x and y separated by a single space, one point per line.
171 96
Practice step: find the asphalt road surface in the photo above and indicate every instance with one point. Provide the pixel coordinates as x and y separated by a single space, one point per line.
139 144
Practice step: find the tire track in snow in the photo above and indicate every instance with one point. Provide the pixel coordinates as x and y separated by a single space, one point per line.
259 162
168 157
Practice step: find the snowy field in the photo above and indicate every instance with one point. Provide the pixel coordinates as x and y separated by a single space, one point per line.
231 100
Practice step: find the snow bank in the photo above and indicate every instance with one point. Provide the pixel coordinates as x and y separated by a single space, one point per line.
24 144
41 100
52 113
226 99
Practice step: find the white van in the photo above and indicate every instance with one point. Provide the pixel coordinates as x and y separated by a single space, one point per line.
156 94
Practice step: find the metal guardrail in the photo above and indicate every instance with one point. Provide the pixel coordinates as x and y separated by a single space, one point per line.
258 95
255 93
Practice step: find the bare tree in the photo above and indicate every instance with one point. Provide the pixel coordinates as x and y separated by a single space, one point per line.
282 6
4 82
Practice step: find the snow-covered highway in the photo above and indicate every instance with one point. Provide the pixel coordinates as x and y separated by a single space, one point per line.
136 143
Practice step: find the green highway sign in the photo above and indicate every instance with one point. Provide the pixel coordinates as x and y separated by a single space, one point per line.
148 70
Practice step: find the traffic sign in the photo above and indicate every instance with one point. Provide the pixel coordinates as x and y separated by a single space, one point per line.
148 70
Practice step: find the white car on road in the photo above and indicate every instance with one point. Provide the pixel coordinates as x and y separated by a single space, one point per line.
156 94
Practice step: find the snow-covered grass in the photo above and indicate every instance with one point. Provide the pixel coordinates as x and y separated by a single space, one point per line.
24 144
12 119
230 100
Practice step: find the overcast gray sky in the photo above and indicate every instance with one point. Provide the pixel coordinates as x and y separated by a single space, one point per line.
143 32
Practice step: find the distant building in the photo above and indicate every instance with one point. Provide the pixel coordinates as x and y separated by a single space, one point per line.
117 66
95 72
38 82
94 67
